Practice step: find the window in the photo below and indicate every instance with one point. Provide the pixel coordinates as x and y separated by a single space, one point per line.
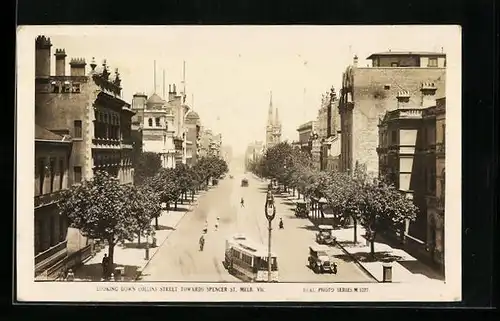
78 128
150 122
433 62
41 170
157 122
139 119
76 88
67 87
387 87
394 137
61 173
52 173
78 174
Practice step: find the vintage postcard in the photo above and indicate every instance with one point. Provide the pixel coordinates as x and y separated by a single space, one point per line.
238 163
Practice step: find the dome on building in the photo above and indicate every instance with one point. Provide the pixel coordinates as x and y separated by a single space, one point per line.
192 115
155 99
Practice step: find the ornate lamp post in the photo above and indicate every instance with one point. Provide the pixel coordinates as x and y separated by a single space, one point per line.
270 212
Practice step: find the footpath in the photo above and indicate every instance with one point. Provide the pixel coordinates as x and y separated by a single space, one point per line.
130 257
404 267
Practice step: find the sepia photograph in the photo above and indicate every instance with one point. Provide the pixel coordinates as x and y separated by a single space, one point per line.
238 163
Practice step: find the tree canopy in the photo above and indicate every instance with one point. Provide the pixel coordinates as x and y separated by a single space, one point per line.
146 165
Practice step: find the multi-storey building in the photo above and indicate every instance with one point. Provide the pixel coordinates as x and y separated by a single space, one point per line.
273 128
409 158
306 136
88 107
369 92
193 127
52 154
328 133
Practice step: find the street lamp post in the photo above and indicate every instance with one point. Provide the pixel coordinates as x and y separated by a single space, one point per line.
270 212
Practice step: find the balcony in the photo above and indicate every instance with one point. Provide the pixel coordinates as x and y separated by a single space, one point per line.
47 199
50 256
106 143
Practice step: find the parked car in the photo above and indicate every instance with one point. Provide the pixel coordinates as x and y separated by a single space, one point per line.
319 261
244 182
324 235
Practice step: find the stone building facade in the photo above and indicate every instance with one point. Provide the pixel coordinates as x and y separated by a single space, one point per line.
369 92
87 106
52 175
411 157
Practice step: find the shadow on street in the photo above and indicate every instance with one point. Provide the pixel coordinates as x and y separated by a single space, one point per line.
93 272
385 257
164 228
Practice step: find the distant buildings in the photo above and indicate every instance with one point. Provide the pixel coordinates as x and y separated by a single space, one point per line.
254 152
273 128
306 136
86 109
411 155
209 143
369 92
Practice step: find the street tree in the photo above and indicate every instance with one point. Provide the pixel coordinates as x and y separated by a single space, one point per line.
163 183
383 206
152 199
100 209
146 165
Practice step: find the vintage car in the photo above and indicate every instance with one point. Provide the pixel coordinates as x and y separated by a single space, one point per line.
244 182
301 209
324 235
319 261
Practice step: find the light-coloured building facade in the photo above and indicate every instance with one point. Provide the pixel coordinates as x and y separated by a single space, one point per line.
367 93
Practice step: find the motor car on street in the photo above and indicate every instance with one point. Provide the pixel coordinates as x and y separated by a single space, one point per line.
319 260
324 235
244 182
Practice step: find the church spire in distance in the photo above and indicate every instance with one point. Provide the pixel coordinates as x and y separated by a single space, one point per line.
270 111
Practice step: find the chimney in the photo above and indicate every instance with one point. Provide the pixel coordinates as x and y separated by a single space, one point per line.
42 56
428 92
355 61
77 66
171 92
403 98
60 62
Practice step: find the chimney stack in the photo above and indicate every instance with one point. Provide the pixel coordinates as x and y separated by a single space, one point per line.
171 92
42 56
77 66
428 92
403 98
60 62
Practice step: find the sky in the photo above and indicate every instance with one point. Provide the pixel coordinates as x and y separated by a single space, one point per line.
230 70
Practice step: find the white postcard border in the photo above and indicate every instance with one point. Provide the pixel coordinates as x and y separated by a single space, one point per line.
29 290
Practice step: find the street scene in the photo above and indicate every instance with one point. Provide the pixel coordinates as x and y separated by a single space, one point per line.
292 165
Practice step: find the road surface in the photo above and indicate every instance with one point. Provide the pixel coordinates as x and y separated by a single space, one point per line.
179 257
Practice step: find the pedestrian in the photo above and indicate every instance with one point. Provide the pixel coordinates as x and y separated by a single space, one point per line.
105 266
242 202
217 224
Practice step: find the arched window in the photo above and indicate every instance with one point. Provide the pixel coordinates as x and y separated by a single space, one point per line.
150 122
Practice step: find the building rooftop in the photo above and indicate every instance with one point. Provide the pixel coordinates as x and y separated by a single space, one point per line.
45 134
155 99
406 53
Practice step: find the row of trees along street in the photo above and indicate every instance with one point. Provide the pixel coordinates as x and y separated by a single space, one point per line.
353 197
102 208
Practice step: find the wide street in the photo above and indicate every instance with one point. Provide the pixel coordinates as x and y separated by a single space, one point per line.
179 257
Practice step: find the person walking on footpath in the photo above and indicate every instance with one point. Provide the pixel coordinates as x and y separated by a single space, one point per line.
217 224
242 202
105 266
